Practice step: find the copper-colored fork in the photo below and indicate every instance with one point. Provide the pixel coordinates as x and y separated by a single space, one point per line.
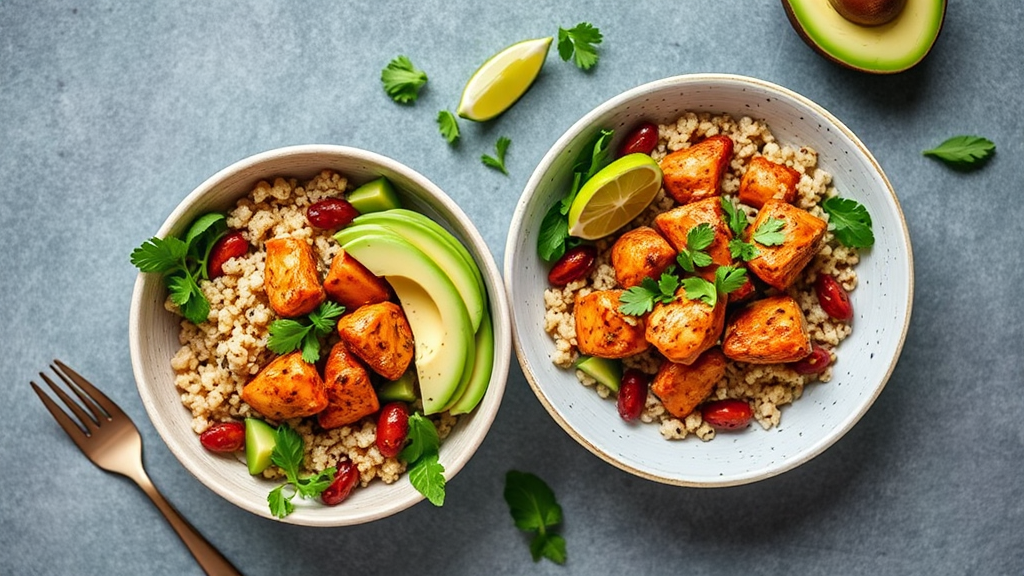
108 437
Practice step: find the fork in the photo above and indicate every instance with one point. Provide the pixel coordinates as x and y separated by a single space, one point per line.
108 437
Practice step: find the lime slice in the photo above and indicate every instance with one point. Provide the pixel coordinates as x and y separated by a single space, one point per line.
502 79
615 195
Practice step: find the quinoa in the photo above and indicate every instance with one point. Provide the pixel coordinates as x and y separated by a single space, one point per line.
766 387
218 357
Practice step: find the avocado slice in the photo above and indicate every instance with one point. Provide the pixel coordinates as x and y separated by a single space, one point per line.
480 378
260 439
604 370
374 196
883 49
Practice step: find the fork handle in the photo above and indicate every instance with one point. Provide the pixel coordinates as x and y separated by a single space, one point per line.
208 557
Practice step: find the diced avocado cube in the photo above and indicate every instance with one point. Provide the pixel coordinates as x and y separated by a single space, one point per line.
259 444
374 196
604 370
401 390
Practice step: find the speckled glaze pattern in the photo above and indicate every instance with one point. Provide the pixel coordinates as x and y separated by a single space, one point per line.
882 301
153 334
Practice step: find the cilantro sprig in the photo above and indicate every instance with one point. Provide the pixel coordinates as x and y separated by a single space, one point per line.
533 507
963 152
288 334
727 279
426 473
402 80
498 160
448 126
580 44
849 221
693 255
769 232
640 299
182 262
287 455
736 219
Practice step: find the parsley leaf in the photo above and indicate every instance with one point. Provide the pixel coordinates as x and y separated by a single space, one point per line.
288 334
641 299
287 455
693 255
963 152
402 80
769 233
849 221
697 288
448 126
735 218
533 507
426 473
498 161
743 250
579 43
728 279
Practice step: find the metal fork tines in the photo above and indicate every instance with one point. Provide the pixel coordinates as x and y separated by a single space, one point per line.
109 438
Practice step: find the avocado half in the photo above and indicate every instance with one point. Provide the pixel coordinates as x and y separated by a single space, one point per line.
884 49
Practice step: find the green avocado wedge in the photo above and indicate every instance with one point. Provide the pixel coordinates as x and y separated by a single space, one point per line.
260 439
886 48
480 377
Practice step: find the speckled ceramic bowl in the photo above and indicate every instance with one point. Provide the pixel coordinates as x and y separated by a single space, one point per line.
882 301
153 335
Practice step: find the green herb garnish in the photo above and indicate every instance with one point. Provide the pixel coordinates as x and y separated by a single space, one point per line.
448 125
769 233
183 263
736 219
640 299
287 455
963 152
534 509
498 160
421 455
579 43
849 221
728 279
402 80
693 256
288 334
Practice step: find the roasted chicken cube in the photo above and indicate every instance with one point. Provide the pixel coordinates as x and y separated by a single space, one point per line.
291 279
286 388
772 330
681 388
695 173
352 285
766 180
682 329
350 394
803 234
379 334
602 330
641 253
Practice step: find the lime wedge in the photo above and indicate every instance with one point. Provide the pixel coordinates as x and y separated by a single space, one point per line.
503 79
615 195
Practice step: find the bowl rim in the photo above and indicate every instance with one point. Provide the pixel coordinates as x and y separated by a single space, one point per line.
585 122
482 417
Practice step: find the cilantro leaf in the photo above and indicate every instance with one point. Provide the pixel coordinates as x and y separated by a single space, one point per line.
769 233
849 221
448 126
728 279
700 236
963 152
426 473
287 455
159 255
579 43
697 288
735 218
640 299
289 334
533 507
402 80
498 161
742 250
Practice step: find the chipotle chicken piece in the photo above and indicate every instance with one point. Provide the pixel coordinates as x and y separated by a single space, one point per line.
681 388
286 388
766 180
641 253
601 330
379 334
352 285
350 394
290 277
695 173
768 331
682 329
803 233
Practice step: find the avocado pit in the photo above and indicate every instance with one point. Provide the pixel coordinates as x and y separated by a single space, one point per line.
869 12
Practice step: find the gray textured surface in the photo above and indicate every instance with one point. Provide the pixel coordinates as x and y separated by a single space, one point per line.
110 112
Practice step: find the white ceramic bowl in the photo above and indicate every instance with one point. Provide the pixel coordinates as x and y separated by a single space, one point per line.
882 300
153 335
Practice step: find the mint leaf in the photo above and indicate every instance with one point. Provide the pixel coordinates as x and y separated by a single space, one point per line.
849 221
448 126
533 507
402 80
426 473
769 233
579 43
427 476
963 152
550 546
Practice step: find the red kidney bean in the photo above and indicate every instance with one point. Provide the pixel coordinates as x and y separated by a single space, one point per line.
815 362
229 246
833 298
345 479
224 437
642 139
392 428
576 263
330 213
632 394
729 414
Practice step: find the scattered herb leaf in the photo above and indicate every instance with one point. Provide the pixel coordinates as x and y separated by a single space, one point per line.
728 279
498 160
402 80
963 152
579 43
742 250
697 288
426 473
448 126
288 334
533 507
769 233
693 255
735 218
287 455
641 299
849 221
